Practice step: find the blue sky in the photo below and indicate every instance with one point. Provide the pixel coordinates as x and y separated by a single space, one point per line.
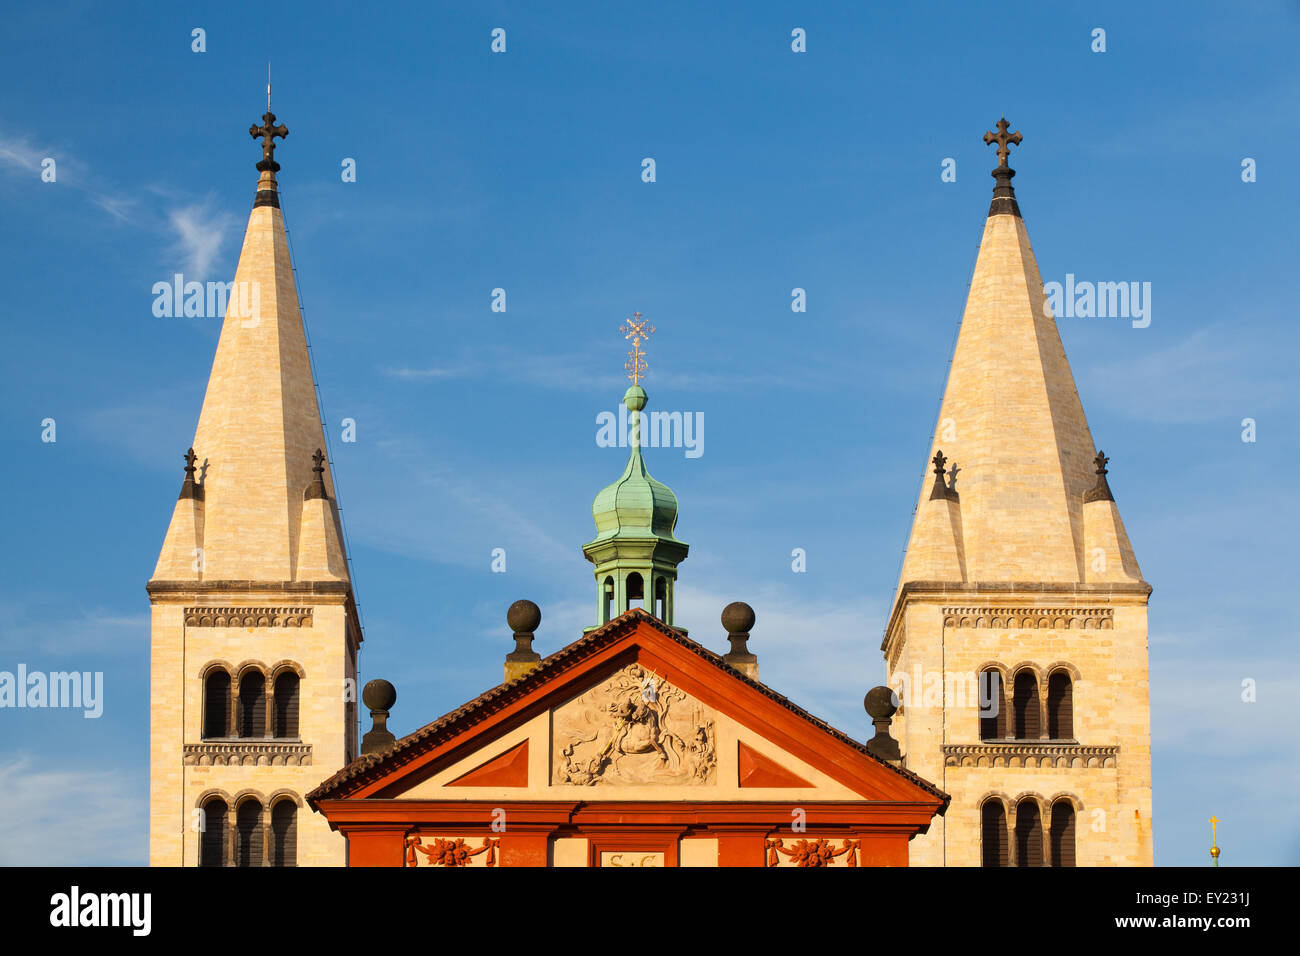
476 430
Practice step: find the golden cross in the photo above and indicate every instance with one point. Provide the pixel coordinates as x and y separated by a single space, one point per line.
1214 828
1004 140
635 329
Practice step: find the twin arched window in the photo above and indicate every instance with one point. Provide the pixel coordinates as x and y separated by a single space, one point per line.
1027 714
245 709
1023 844
249 836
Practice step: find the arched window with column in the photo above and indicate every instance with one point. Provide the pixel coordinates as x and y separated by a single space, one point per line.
1029 834
212 841
1062 833
216 703
994 847
607 600
284 833
1060 706
286 704
993 705
248 833
635 589
1025 706
252 704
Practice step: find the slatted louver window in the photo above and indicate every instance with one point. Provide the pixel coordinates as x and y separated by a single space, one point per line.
248 834
252 705
1027 726
286 705
284 834
212 841
1029 835
993 844
1062 833
216 704
993 717
1060 706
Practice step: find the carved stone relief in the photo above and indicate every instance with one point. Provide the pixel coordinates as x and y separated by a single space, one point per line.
634 728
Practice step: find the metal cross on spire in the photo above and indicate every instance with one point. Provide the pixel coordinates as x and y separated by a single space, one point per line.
635 329
268 131
1004 140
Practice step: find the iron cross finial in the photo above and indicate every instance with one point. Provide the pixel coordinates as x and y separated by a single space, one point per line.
190 459
268 131
635 329
939 460
1101 461
1004 140
319 463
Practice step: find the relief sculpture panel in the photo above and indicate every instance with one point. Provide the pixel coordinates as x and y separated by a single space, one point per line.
634 728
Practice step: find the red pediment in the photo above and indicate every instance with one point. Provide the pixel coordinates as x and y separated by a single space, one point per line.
633 638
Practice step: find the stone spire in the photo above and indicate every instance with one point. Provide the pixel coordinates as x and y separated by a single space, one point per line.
1012 423
264 511
634 551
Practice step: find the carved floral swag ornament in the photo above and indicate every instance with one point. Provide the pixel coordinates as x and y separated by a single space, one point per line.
812 852
450 852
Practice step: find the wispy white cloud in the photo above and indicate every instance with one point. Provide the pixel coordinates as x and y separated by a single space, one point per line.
32 629
54 816
1211 375
579 371
19 153
201 230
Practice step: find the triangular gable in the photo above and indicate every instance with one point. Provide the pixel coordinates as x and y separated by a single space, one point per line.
475 737
508 769
756 770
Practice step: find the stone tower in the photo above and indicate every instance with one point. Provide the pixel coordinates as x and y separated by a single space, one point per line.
1017 638
634 551
254 625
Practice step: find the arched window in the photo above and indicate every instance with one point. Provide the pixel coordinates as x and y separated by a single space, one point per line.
286 704
1060 706
1025 706
1029 834
1062 833
993 705
635 588
248 834
284 834
252 705
607 600
212 841
216 703
993 836
661 599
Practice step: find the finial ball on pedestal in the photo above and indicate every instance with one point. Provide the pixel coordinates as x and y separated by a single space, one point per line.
880 703
738 617
379 694
524 617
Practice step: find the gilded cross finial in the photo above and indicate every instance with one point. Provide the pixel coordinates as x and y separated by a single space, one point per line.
268 131
1004 140
636 329
1214 839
